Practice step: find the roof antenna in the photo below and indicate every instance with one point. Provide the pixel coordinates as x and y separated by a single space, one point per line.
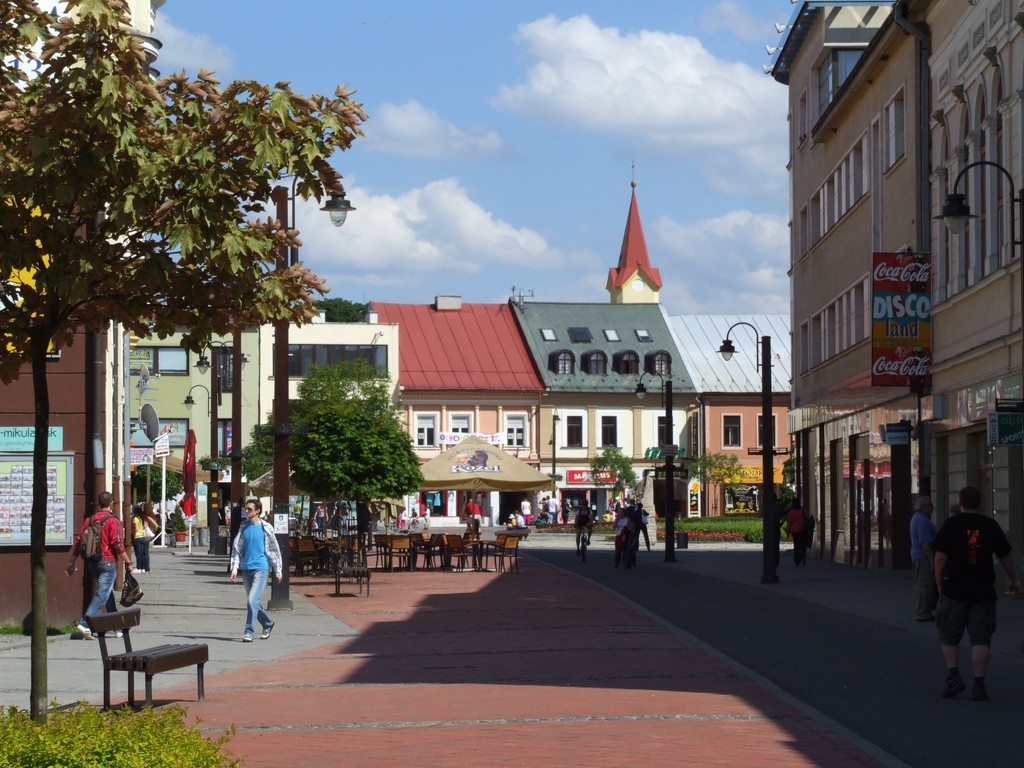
520 298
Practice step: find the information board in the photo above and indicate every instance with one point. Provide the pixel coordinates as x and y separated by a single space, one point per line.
16 475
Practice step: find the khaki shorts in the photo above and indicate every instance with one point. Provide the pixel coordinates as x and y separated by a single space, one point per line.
952 617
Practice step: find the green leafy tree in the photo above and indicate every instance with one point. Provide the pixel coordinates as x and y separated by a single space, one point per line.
342 310
138 202
612 463
716 469
350 441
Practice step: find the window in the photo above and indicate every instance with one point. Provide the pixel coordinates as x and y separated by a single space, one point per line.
629 363
644 335
611 335
302 357
895 132
579 334
162 360
565 362
662 364
574 432
426 429
731 431
597 364
548 334
609 431
832 73
760 432
461 423
515 430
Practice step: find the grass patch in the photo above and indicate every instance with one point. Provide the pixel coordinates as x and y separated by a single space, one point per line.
20 629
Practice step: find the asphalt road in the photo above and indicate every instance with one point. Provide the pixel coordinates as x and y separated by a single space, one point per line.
877 680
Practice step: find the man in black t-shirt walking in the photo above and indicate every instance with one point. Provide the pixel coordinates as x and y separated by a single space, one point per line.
965 577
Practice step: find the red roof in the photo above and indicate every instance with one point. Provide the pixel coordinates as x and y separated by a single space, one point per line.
633 255
475 347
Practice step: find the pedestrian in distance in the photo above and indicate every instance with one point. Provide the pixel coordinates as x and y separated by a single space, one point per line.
144 528
965 579
922 556
103 570
796 521
255 553
644 520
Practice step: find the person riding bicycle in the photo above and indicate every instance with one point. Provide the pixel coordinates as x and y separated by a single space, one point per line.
584 522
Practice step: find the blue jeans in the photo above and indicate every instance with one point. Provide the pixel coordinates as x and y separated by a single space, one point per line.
255 582
103 574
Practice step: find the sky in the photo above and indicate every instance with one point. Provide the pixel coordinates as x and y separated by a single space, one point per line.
502 140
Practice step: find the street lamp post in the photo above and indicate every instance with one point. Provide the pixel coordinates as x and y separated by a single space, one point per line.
213 496
668 451
769 517
955 215
338 207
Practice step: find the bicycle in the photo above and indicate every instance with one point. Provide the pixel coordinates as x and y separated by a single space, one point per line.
584 542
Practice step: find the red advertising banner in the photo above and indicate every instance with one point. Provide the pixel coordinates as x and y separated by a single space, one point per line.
901 319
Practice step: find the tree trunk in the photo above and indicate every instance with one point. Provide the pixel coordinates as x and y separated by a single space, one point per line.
37 558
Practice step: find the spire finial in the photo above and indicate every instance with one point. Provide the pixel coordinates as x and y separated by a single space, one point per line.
632 183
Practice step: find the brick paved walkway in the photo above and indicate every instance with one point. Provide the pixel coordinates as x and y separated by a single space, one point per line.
486 669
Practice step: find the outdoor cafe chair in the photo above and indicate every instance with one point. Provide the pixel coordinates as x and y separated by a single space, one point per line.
400 548
507 551
454 549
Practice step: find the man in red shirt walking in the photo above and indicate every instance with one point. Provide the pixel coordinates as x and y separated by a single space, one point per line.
104 570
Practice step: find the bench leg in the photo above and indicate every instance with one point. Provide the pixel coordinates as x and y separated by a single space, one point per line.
106 688
131 689
149 690
199 681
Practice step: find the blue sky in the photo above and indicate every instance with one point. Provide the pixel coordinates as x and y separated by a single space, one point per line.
502 137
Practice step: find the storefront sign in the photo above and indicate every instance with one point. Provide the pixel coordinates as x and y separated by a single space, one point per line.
22 439
1005 429
448 439
901 324
587 477
139 455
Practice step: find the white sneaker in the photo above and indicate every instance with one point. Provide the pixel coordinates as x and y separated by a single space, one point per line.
247 639
86 632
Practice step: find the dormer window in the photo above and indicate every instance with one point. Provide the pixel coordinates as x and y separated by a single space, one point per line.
629 364
597 363
563 362
661 363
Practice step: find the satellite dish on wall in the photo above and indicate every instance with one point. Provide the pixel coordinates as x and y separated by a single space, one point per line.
150 422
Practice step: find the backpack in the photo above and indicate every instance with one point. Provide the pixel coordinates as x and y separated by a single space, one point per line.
92 539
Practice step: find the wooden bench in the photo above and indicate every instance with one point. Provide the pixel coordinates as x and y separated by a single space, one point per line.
150 661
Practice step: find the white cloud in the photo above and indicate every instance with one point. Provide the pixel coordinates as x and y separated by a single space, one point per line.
184 50
736 18
731 262
392 246
413 130
665 88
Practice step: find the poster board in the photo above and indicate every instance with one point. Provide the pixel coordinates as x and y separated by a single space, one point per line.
16 475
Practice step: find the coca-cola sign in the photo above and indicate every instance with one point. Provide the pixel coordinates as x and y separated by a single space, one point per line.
901 323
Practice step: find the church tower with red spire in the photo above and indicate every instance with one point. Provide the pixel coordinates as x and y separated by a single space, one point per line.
634 280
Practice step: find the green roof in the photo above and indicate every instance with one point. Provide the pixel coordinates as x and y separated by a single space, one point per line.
588 331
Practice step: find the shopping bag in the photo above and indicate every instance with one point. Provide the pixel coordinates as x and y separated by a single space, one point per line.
131 592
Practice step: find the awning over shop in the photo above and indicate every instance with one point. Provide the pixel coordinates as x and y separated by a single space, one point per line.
474 465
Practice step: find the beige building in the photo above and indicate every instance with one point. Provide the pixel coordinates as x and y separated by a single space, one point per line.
888 103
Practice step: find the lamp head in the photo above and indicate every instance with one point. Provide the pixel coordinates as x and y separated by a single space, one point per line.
189 402
727 350
203 364
338 207
955 213
641 390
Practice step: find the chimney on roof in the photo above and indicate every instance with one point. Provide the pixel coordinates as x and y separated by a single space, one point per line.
447 303
371 314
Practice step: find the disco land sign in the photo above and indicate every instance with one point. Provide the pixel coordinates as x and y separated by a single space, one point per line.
901 325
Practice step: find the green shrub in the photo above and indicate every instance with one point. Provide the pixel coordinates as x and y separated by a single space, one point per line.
739 528
86 736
